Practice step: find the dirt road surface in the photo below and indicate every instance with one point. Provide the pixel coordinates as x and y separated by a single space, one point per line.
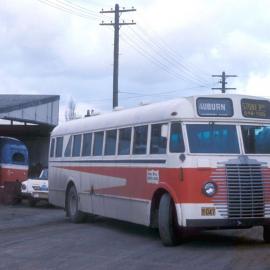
43 238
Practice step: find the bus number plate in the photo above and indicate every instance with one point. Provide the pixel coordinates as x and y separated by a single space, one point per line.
208 211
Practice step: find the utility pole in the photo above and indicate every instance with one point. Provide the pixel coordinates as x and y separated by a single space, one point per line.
223 82
117 13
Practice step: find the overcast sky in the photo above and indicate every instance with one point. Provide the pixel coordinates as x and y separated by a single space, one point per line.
58 47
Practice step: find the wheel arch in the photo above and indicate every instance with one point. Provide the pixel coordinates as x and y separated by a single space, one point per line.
156 201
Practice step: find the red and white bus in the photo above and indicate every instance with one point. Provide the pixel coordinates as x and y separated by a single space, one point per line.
13 167
195 162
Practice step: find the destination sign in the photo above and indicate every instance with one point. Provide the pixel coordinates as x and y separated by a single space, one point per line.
254 108
211 107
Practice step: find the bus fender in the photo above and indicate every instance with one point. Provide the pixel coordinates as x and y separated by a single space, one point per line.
164 188
172 192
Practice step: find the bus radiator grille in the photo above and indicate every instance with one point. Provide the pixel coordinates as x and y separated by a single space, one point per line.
243 190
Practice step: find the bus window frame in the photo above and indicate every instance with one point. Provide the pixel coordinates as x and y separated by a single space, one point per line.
242 139
118 141
80 154
239 137
184 135
54 146
105 140
103 143
168 137
71 145
59 137
147 140
91 148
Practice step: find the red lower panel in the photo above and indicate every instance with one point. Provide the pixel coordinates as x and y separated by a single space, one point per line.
185 188
12 175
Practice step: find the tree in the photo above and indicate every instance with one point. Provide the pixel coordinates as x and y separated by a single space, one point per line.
70 113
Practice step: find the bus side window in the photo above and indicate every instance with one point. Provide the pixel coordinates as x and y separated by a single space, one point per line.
59 147
124 141
98 143
140 140
176 138
87 144
76 150
110 144
159 138
68 148
52 147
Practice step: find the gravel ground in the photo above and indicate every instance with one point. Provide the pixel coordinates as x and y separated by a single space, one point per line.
42 238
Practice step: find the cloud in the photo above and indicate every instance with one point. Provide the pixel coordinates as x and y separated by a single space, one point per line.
258 85
176 45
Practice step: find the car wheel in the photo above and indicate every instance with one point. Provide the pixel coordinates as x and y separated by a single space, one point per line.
32 202
169 231
74 214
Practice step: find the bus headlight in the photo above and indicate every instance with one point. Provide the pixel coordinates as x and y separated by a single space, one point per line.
23 187
210 189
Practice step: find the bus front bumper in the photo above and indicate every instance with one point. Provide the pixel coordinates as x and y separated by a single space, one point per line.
227 223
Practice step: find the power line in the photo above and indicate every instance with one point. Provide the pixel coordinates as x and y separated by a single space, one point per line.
166 91
152 94
79 7
172 61
76 10
154 61
164 66
68 9
166 47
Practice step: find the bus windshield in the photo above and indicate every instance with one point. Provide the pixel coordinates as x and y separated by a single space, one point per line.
212 138
256 139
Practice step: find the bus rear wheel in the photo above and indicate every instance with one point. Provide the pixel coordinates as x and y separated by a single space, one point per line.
169 231
73 212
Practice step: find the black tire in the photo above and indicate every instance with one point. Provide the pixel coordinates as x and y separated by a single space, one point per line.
266 234
17 201
73 213
32 202
169 230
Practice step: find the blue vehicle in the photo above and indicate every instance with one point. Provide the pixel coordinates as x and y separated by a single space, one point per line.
13 166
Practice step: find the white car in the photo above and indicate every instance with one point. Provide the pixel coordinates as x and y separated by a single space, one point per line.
35 190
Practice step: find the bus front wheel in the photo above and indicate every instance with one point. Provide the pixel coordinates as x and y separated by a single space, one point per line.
73 212
169 230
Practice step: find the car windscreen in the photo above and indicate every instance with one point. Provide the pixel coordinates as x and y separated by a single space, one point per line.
256 139
44 175
212 138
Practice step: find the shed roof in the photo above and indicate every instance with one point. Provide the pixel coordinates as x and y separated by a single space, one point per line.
10 103
38 109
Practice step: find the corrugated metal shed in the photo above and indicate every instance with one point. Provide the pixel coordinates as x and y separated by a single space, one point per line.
38 115
36 109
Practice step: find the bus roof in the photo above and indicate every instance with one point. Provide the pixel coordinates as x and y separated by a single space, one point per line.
179 108
4 138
